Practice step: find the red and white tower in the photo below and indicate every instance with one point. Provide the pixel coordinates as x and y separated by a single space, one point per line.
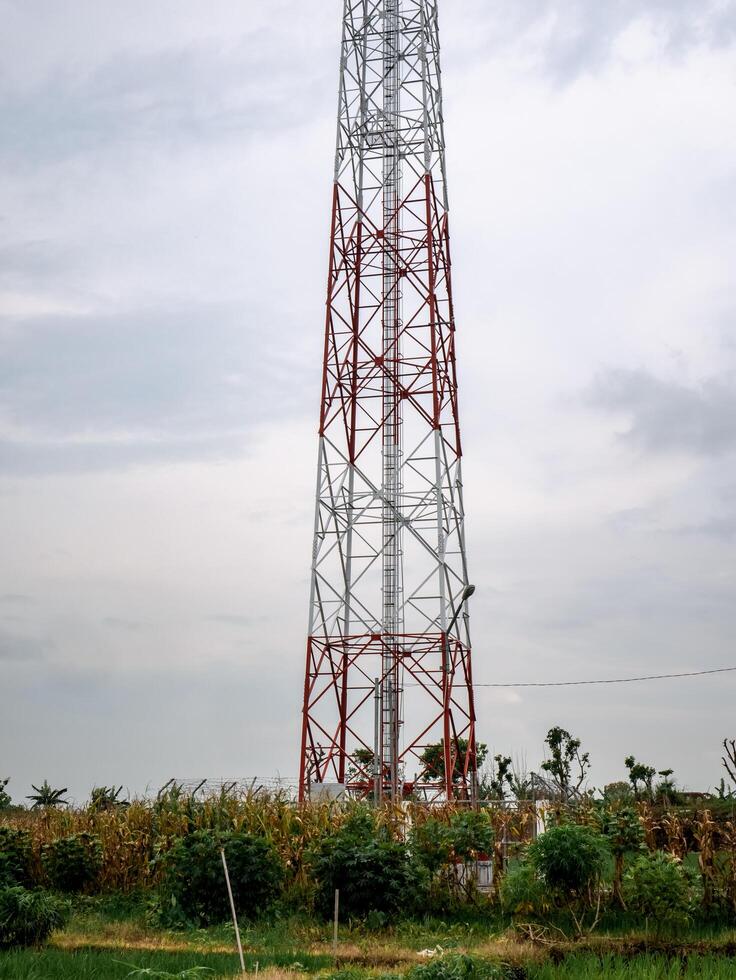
388 670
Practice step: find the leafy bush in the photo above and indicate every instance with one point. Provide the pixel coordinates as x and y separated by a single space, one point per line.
192 973
457 966
372 871
622 827
194 879
27 918
625 834
522 891
438 847
5 801
73 863
15 857
570 858
471 834
658 887
618 792
467 835
430 845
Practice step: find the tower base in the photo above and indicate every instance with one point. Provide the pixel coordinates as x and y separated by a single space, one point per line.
436 757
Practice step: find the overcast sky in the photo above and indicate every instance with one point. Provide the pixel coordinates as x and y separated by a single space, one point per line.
165 171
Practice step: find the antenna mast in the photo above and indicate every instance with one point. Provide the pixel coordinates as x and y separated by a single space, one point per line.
388 697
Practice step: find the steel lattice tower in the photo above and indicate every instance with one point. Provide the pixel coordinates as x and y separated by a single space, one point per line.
388 668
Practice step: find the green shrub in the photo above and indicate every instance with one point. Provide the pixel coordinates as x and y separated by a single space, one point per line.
27 918
73 863
194 886
437 847
430 845
457 966
15 857
470 834
570 858
467 836
373 872
522 891
5 800
625 835
658 887
618 792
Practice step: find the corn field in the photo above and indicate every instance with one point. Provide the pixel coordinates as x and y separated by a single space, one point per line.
134 836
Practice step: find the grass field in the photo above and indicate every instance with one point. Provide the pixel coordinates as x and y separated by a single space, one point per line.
112 939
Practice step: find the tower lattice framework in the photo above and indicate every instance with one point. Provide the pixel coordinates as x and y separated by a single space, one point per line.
388 665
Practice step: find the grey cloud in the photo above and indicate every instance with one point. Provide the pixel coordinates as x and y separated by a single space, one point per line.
205 90
585 32
234 620
20 648
15 598
24 262
33 458
126 625
580 35
721 528
109 391
633 518
154 716
667 416
180 96
639 595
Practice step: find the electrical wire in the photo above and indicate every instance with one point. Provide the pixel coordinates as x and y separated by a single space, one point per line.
613 680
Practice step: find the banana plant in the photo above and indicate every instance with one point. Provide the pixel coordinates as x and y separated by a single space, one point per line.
46 796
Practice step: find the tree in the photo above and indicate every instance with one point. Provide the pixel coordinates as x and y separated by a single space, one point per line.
618 792
724 791
45 796
5 800
666 790
640 777
361 765
107 798
623 829
433 759
500 778
729 760
522 781
567 766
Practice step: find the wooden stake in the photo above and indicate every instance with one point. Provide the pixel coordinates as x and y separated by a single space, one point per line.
334 930
232 909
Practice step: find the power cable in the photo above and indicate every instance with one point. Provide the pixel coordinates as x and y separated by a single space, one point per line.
613 680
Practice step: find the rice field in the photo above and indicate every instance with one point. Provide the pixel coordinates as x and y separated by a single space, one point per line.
108 940
99 964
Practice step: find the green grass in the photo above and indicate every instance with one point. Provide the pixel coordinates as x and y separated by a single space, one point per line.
97 964
103 965
644 967
54 964
108 937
